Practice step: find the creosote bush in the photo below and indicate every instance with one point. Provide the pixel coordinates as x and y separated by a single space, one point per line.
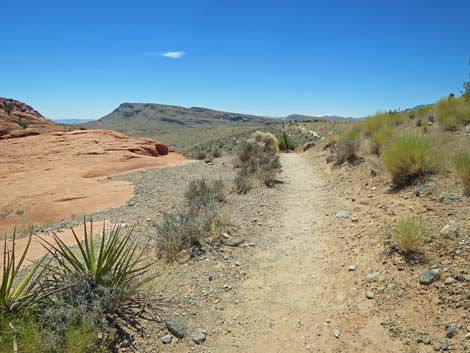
379 138
409 235
347 146
188 227
267 141
409 157
257 162
462 169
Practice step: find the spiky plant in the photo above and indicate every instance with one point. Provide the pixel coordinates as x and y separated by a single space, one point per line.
15 293
116 263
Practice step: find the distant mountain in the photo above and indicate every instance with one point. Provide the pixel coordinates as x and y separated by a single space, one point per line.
300 117
147 116
72 121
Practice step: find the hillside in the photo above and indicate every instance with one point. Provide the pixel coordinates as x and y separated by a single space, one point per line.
148 116
18 119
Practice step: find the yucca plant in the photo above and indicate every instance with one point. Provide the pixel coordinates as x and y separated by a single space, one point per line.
16 293
115 264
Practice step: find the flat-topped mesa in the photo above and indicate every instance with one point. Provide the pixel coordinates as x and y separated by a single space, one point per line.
19 120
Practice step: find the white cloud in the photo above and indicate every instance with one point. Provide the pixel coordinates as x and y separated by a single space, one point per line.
173 54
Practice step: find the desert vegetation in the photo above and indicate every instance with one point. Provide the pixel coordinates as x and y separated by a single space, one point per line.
81 299
257 161
409 235
189 227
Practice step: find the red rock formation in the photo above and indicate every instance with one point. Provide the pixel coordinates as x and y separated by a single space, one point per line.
18 120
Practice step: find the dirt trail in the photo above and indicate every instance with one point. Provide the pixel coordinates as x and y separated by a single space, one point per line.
299 293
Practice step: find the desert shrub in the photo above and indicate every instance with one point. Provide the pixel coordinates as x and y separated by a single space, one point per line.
97 282
243 183
201 193
216 152
409 235
22 330
419 122
200 154
7 107
23 124
379 138
267 141
347 146
462 169
290 144
407 158
256 162
452 112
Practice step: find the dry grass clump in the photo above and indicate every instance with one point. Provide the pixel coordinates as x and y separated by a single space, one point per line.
267 141
187 228
462 169
409 157
379 138
452 112
257 162
409 235
347 146
201 193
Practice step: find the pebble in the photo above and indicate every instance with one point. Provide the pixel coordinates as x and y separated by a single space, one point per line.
449 280
372 277
166 339
352 268
177 326
370 294
337 332
342 214
199 336
451 330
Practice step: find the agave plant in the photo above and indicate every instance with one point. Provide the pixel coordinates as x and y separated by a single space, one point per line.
115 264
16 293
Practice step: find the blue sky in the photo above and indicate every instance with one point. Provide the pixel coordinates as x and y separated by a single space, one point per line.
81 59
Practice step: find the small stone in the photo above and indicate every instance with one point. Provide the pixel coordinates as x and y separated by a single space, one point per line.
177 326
454 197
437 347
444 346
199 336
401 293
166 339
372 277
427 340
450 229
428 277
352 268
466 278
342 214
337 332
451 330
420 190
449 280
370 294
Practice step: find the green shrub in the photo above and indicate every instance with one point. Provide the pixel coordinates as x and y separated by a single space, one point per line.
452 112
200 154
23 124
347 146
22 330
8 107
216 152
407 158
409 235
290 144
379 138
462 169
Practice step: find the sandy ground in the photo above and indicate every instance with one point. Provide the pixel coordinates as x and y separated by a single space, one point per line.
55 176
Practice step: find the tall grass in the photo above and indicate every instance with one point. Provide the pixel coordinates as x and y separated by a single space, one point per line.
452 112
379 138
462 169
409 157
409 235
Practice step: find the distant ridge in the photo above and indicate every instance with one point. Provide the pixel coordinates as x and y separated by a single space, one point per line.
150 116
72 121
